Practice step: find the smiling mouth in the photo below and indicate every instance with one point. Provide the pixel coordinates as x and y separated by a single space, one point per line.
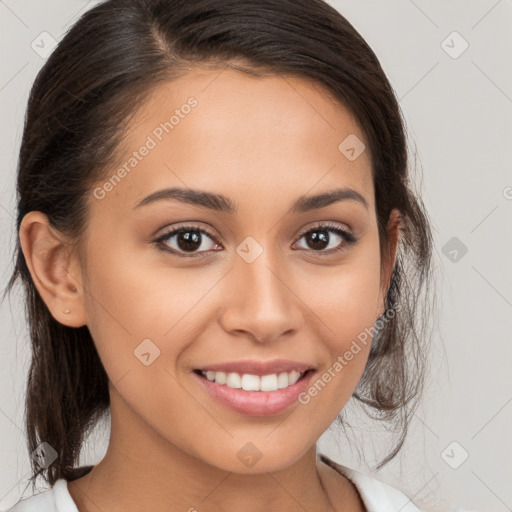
251 382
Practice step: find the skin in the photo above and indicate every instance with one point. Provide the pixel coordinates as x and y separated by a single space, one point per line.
262 142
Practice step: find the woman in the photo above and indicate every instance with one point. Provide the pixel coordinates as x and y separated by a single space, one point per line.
220 247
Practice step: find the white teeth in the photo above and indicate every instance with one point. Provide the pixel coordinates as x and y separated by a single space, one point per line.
233 380
268 382
293 377
220 377
249 382
282 380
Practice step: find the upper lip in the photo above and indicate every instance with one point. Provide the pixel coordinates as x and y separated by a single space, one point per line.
255 367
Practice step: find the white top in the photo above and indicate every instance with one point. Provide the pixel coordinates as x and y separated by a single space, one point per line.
377 496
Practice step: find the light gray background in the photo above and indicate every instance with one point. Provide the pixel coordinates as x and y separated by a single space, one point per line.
459 116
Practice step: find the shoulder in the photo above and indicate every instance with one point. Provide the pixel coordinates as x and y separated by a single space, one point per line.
55 499
376 495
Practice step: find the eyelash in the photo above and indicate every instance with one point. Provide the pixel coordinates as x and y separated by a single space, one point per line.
349 238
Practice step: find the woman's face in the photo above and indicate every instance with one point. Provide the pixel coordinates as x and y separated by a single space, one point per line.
252 278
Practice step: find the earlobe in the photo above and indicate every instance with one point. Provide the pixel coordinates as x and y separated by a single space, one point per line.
389 258
54 269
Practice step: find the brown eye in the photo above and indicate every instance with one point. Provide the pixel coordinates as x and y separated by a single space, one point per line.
327 238
318 239
188 239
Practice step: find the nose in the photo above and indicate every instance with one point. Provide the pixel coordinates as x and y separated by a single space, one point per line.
261 302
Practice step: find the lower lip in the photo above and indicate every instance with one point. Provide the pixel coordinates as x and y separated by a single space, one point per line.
256 403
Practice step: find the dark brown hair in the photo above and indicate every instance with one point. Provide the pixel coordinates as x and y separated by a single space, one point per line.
92 85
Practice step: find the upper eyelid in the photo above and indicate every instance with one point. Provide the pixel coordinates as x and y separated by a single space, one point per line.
173 231
329 225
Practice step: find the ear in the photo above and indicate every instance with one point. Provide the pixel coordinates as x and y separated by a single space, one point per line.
388 258
54 269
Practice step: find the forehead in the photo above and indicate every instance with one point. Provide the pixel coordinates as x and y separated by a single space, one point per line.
255 139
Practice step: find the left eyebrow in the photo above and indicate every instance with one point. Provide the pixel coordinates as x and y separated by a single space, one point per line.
307 203
221 203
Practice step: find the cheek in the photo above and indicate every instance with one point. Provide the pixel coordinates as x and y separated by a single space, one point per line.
131 300
343 304
345 297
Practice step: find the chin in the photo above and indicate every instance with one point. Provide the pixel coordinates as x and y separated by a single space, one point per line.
249 458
